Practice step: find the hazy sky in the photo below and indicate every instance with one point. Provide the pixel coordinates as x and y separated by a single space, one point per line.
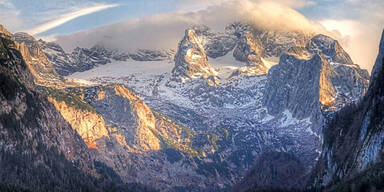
359 22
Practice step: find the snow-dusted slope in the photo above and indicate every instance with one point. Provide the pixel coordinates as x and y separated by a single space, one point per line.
125 68
232 122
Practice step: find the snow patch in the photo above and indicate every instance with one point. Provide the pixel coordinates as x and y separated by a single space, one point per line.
124 68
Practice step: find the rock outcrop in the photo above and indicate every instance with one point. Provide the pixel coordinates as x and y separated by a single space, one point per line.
299 85
4 32
37 62
352 157
330 48
61 61
39 150
152 55
215 44
191 60
307 78
249 50
88 124
123 109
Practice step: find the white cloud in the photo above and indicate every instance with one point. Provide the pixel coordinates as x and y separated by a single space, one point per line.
359 35
165 30
67 17
194 5
360 40
361 31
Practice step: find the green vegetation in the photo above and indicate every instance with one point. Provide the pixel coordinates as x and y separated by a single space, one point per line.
70 99
168 143
182 130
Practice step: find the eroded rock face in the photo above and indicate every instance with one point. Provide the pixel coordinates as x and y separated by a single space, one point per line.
152 55
38 148
352 152
191 59
332 83
141 135
37 62
134 140
4 32
330 48
58 57
294 84
249 50
215 44
89 125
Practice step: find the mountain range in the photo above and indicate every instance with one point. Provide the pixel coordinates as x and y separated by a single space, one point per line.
204 117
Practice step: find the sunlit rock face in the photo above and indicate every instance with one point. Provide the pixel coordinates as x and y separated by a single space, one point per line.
352 154
330 48
191 60
4 32
127 135
37 62
137 121
313 69
249 50
38 148
109 108
89 125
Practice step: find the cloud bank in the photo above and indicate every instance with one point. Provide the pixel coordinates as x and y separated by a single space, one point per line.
361 29
358 30
67 17
163 31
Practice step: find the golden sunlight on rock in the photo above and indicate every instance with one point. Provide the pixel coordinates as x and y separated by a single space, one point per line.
146 121
327 92
89 125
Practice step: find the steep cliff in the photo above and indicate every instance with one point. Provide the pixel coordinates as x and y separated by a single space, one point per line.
250 50
126 135
308 78
352 151
39 65
295 84
39 150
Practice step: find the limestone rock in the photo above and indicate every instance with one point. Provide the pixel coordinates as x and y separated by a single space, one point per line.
191 60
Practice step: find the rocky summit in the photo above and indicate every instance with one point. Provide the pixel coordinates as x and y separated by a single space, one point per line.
351 158
191 59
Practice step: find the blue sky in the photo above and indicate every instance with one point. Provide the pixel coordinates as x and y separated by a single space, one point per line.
32 13
359 22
